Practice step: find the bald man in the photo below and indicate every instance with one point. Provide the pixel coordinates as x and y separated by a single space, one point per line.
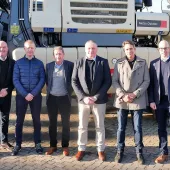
159 93
6 87
29 79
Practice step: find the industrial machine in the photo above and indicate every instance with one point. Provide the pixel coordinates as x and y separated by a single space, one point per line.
71 23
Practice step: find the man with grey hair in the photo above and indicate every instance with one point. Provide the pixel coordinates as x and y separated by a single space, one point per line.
91 80
6 87
58 80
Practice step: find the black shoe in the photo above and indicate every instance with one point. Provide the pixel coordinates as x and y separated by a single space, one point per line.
6 145
140 159
118 157
38 148
16 150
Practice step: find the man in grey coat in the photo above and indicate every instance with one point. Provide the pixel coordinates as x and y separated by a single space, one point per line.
131 80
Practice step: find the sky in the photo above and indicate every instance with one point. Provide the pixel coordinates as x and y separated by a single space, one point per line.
156 5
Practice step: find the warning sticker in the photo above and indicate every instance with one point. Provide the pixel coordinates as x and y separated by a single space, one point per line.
14 29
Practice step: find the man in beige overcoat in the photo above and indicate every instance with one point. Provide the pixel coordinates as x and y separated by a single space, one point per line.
131 80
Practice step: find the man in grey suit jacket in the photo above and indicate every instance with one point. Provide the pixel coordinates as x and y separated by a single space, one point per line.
58 80
91 80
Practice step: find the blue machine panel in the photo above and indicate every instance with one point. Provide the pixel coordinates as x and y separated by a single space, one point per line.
102 39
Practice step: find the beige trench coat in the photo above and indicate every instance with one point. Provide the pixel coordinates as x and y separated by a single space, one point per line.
127 80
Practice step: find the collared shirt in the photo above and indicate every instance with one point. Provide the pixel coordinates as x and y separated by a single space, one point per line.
164 59
94 59
2 59
58 66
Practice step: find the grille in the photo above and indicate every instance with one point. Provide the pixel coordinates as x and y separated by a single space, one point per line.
99 11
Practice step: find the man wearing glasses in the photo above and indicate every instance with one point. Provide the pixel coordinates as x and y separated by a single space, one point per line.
159 96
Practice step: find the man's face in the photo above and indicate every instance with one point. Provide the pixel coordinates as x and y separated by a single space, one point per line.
91 50
129 51
3 49
164 49
58 56
29 49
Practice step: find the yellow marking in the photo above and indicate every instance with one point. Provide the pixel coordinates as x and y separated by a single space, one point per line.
123 31
14 29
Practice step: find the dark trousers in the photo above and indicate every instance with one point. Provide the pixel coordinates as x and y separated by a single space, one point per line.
54 105
161 116
137 127
21 108
5 105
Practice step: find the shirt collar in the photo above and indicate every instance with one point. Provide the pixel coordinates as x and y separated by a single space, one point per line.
3 59
94 59
164 59
58 66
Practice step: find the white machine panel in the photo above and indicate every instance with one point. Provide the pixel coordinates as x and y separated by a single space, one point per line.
153 54
142 52
47 18
152 23
102 51
40 53
98 16
70 54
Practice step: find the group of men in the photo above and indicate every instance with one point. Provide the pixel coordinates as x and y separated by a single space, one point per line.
136 87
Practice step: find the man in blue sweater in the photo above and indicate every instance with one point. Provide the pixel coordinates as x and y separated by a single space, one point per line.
28 79
159 96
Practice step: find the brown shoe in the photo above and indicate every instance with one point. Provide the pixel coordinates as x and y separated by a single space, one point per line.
51 150
66 151
161 159
102 156
80 155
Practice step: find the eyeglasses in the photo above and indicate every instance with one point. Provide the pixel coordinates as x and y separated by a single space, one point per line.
165 48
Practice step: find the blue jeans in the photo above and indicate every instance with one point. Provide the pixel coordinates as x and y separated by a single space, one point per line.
122 115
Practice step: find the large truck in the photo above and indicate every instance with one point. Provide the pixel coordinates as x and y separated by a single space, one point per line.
70 23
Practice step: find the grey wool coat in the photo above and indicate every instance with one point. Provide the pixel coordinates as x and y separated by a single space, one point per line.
127 80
